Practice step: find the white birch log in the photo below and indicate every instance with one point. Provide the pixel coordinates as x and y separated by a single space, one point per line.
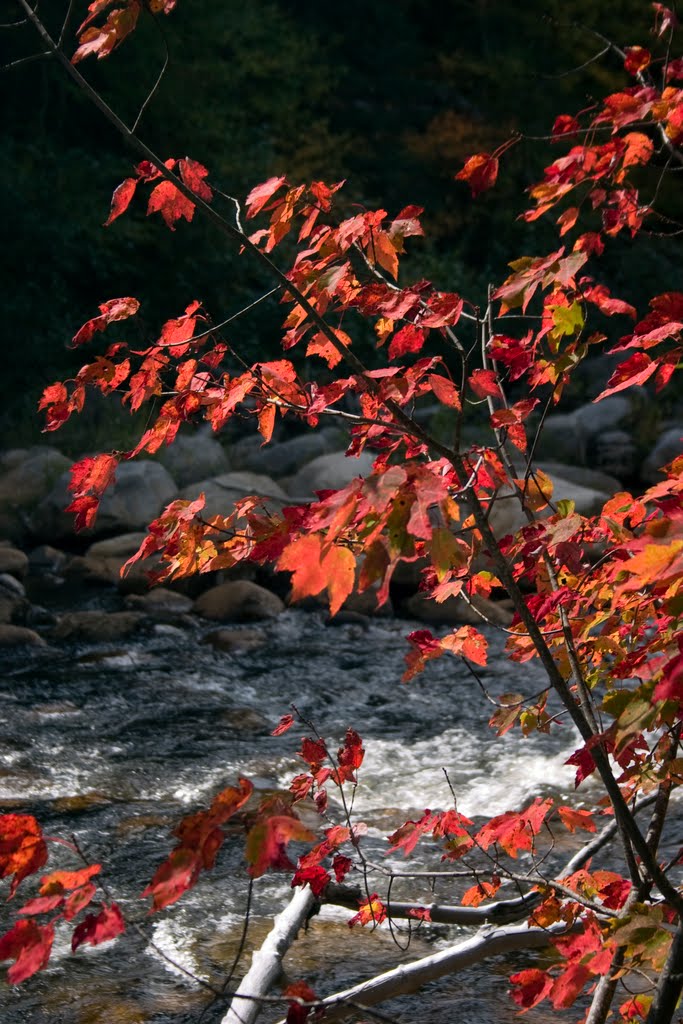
407 977
266 961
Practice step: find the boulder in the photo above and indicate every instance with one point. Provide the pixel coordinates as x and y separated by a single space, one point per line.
26 477
13 603
594 479
455 611
283 458
159 602
194 457
223 491
567 437
46 560
506 515
329 472
123 546
102 563
238 601
16 636
668 447
13 561
97 626
614 452
141 490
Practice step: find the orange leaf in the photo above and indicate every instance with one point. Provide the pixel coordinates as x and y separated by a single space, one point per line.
445 390
339 567
266 421
22 847
480 172
479 892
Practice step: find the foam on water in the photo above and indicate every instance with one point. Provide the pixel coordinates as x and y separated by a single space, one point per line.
488 777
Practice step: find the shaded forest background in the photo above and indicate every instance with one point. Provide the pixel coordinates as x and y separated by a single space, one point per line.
392 96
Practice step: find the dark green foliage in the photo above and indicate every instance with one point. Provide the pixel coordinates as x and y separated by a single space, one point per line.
393 96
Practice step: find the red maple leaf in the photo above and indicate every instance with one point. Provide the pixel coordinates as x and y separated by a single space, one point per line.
113 309
29 945
98 928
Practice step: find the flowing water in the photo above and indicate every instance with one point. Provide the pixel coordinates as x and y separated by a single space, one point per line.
113 744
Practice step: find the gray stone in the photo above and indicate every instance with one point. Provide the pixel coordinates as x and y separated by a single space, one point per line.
27 477
594 479
46 559
194 457
284 457
668 447
329 472
506 515
223 491
566 437
614 452
10 586
123 546
238 601
141 490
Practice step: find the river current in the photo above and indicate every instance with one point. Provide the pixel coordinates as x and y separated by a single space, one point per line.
112 743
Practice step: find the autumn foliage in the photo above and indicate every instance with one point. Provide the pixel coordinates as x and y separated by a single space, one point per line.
597 599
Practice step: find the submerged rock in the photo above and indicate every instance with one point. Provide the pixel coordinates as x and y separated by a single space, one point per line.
238 601
96 626
15 636
229 640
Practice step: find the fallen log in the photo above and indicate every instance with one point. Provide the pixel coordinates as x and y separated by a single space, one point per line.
266 962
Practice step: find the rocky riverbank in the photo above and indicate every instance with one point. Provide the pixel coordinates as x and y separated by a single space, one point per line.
49 574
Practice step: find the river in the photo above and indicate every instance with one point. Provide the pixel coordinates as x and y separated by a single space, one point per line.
114 742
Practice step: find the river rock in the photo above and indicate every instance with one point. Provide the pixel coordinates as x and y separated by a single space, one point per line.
102 563
141 490
97 626
567 436
16 636
668 447
45 560
594 479
13 561
507 517
230 640
10 586
13 603
455 611
194 457
160 602
24 481
238 601
614 452
223 491
329 472
283 458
